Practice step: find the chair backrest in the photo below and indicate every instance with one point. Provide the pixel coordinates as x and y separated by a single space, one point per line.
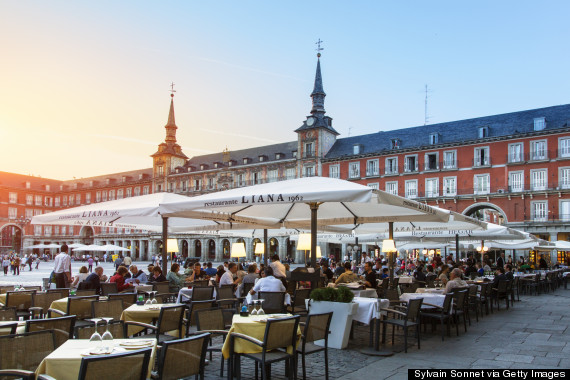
170 319
36 288
202 293
317 327
112 308
116 328
224 292
247 286
502 286
161 287
281 333
391 294
6 288
44 300
64 292
183 358
414 308
85 292
385 283
8 314
81 306
210 319
22 300
273 302
128 298
300 296
131 365
410 288
472 290
25 351
109 288
62 327
9 328
198 305
447 302
201 283
430 282
166 297
460 298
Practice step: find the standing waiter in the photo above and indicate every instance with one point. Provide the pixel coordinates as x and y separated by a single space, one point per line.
62 268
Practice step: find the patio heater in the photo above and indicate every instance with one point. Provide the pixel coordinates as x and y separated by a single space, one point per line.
389 248
238 250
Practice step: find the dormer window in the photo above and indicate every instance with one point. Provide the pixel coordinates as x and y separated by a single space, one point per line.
483 132
218 165
539 123
28 185
203 166
294 154
48 188
140 176
246 160
356 149
433 138
278 156
262 158
395 144
231 162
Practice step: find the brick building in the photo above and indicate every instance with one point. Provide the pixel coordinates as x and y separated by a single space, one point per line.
511 169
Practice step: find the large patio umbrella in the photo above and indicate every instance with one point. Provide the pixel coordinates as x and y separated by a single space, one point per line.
294 204
36 246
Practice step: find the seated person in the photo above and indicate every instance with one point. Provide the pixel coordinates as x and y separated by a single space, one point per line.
157 275
149 268
455 280
94 280
137 275
339 269
209 270
175 280
499 276
369 275
347 276
198 274
385 273
83 274
119 278
509 272
419 274
268 283
227 278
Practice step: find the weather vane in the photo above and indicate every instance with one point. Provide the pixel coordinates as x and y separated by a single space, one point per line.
319 48
172 90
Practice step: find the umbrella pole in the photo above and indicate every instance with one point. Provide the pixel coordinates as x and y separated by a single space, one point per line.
456 248
391 261
164 248
314 207
265 254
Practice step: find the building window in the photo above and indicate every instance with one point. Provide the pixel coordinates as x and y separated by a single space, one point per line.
256 178
97 196
111 195
411 188
29 213
539 211
538 150
211 183
481 157
277 156
392 165
516 181
395 144
374 185
290 173
539 123
432 187
29 199
170 187
28 185
87 198
309 150
146 190
12 213
334 171
431 161
482 184
411 164
272 175
78 199
354 170
515 152
37 212
56 201
309 171
449 159
564 147
64 200
71 200
137 191
372 168
261 158
294 154
38 200
120 194
433 138
356 149
12 197
392 187
38 230
160 171
240 180
564 211
47 230
450 186
483 132
197 184
129 193
564 178
538 179
104 196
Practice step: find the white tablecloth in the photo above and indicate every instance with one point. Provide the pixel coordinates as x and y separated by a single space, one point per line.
430 290
434 299
367 308
367 293
188 293
405 280
250 298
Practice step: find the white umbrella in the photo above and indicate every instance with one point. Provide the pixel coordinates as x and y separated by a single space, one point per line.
76 245
53 245
112 247
36 246
91 247
561 245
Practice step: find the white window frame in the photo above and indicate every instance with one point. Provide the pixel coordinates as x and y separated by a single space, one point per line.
446 191
334 171
354 170
392 187
434 138
486 188
430 193
483 132
29 199
417 166
447 164
87 198
29 213
563 217
564 147
514 157
539 123
290 173
542 215
197 184
38 230
120 193
538 154
78 199
516 187
477 160
146 190
272 175
129 192
375 170
38 200
12 198
543 185
12 213
97 196
426 161
386 167
137 191
374 185
411 191
309 171
564 177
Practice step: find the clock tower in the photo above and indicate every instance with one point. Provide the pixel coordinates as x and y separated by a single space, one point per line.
316 136
169 154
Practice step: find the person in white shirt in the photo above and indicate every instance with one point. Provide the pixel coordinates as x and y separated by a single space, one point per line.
268 283
127 261
62 268
278 268
227 278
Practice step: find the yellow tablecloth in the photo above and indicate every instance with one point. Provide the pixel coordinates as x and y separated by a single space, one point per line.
145 314
60 304
65 361
19 330
3 298
248 326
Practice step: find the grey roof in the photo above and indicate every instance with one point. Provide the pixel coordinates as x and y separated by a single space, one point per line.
238 155
508 124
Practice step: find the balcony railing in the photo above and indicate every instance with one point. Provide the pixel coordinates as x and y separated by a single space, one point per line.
563 152
481 161
309 155
450 164
410 168
515 158
373 173
391 171
431 165
539 155
411 193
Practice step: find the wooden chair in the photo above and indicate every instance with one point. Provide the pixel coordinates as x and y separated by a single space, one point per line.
316 328
169 319
274 302
183 358
24 352
62 327
131 365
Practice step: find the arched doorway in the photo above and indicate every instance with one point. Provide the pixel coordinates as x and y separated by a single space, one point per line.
158 248
254 244
290 249
487 212
226 249
211 250
11 238
197 248
185 248
86 235
273 247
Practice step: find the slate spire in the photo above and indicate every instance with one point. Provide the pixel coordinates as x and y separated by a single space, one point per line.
318 93
171 124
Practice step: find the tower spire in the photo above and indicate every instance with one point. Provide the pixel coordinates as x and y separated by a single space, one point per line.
171 123
318 93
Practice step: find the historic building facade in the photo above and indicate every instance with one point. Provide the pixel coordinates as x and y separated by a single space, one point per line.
511 169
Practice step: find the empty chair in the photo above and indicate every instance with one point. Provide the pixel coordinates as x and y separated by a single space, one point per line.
273 302
316 328
161 287
78 306
169 319
24 352
130 365
85 292
36 288
194 307
62 327
112 308
212 321
116 328
298 305
128 298
6 288
501 292
405 320
166 297
441 314
460 308
64 291
182 358
22 301
109 288
226 297
9 328
202 293
42 303
8 314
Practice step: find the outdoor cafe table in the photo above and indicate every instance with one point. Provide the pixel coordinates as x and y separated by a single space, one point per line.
405 280
65 361
185 295
366 293
60 304
434 299
430 290
19 330
144 314
249 298
367 311
250 326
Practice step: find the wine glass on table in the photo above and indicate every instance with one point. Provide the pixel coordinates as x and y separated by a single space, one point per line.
154 301
107 337
148 301
260 310
96 337
253 309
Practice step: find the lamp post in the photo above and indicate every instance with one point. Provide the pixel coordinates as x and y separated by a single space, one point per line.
259 249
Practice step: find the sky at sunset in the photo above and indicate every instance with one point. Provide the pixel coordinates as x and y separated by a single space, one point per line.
84 85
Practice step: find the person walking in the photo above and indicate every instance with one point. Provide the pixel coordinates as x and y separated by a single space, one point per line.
16 265
62 268
90 263
5 265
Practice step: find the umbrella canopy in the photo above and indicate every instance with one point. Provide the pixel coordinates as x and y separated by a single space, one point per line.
562 245
112 247
53 245
36 246
76 245
91 247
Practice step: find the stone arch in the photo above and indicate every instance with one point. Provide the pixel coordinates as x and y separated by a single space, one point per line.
473 209
197 248
184 248
273 247
211 250
11 237
226 249
86 234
